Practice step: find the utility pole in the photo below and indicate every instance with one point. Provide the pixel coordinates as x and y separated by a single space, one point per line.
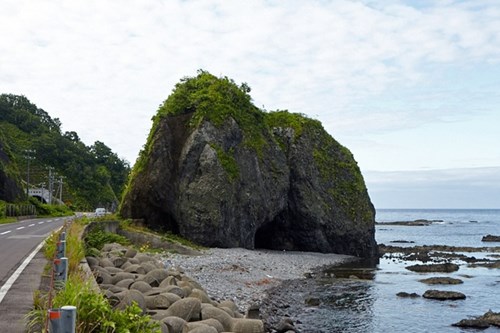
60 188
28 156
42 185
51 184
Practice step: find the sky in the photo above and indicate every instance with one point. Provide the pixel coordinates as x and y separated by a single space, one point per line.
412 88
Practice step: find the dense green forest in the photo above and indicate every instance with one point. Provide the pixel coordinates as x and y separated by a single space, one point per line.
83 176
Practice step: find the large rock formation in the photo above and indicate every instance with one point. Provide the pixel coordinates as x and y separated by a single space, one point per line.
223 173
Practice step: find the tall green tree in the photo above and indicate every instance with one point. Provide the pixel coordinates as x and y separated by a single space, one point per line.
94 175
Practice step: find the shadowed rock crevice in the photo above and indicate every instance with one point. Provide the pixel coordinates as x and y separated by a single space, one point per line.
277 234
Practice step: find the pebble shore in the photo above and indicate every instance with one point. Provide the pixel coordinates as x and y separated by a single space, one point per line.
244 275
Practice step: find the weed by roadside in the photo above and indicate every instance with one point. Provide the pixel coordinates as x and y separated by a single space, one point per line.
94 312
165 236
97 237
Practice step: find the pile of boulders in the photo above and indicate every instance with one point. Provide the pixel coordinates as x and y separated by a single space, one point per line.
175 300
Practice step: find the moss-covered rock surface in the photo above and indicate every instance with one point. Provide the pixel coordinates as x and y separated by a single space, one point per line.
221 172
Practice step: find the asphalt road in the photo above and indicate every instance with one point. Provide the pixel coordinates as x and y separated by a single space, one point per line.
17 242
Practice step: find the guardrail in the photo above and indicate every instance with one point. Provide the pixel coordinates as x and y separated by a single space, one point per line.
60 320
18 210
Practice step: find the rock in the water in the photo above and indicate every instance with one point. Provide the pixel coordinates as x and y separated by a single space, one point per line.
482 322
443 295
223 173
445 268
407 295
492 318
441 280
472 323
490 238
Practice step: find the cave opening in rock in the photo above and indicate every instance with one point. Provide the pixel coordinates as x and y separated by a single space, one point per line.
164 222
276 234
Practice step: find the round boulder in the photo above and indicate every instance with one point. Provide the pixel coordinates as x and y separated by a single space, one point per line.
122 276
211 312
443 295
155 277
200 328
131 296
125 283
157 302
208 322
441 280
135 269
142 286
175 324
187 308
241 325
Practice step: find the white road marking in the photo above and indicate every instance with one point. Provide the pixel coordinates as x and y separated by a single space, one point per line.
5 288
26 236
32 225
5 232
20 228
40 222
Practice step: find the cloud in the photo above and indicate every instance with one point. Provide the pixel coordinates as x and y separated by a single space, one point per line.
103 67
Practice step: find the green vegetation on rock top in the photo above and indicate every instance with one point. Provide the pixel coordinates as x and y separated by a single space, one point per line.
216 99
297 121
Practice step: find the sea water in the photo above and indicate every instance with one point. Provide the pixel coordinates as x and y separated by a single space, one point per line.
370 304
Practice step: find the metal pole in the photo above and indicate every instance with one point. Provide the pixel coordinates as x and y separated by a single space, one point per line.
28 181
60 188
68 318
61 249
29 156
55 324
63 320
51 184
61 271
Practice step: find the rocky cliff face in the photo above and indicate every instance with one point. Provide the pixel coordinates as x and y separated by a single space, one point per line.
223 173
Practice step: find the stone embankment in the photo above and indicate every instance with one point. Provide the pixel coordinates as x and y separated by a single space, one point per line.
179 303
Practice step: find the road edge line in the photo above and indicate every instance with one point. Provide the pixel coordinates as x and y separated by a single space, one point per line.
12 279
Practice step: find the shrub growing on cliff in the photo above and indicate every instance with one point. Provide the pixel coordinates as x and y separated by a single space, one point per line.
214 99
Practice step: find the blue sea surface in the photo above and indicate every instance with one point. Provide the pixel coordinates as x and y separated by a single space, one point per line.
371 305
454 227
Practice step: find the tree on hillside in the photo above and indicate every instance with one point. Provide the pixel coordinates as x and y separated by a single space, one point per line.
93 175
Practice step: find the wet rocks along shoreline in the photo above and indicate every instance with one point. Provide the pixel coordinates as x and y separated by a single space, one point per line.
242 290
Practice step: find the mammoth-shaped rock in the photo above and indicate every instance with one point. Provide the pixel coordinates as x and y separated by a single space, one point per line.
223 173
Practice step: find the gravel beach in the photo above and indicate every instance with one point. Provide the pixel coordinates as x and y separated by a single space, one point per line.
244 275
